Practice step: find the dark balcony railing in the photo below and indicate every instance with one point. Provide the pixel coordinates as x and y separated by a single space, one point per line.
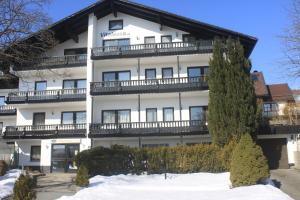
45 131
148 129
46 96
156 49
149 86
279 129
7 110
57 62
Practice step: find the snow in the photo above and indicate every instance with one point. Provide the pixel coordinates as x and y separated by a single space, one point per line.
204 186
7 182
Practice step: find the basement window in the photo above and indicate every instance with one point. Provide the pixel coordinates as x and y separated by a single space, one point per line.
115 25
35 153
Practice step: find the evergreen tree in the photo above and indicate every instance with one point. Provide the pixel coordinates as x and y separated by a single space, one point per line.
232 106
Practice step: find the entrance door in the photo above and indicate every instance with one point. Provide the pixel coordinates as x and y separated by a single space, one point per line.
63 157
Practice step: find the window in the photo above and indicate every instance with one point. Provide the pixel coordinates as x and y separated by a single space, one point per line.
2 100
197 113
77 117
115 116
116 76
150 73
116 43
166 39
168 114
38 119
194 72
167 72
40 85
1 126
35 153
75 51
149 40
270 109
73 84
115 25
151 114
188 38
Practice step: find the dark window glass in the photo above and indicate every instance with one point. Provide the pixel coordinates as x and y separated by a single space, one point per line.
38 119
168 114
150 73
166 39
75 51
116 76
151 114
196 113
149 40
194 72
188 38
2 100
1 126
109 117
116 25
167 72
109 76
40 85
35 153
73 117
67 118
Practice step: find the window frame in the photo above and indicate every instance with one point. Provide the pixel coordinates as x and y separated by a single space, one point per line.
150 70
148 37
117 20
147 114
164 117
103 42
3 101
186 36
167 68
37 82
75 83
202 70
77 50
31 149
161 39
74 116
116 74
116 115
203 109
1 126
37 113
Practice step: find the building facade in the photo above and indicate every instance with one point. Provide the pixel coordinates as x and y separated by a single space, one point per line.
122 73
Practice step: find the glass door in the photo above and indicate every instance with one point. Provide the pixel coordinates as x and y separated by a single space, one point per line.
63 157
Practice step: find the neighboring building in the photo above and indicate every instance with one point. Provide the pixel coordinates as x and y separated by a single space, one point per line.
279 136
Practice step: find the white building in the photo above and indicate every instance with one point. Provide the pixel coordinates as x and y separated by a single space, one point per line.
122 73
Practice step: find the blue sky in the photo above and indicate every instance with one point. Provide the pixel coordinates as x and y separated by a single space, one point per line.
265 19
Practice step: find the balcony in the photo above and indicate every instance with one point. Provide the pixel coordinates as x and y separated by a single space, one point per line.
156 49
47 96
56 62
7 110
149 86
279 129
45 131
134 129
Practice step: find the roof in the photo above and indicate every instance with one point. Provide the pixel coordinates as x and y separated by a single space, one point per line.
260 86
296 92
9 81
280 92
77 23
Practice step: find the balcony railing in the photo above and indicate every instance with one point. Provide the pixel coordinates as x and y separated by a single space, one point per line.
133 129
155 49
279 129
149 86
7 110
45 131
46 96
57 62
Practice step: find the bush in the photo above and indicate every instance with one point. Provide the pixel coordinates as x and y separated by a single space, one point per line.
82 177
248 164
23 189
227 152
3 167
179 159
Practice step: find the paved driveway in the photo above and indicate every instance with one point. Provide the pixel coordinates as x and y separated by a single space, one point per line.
288 180
53 186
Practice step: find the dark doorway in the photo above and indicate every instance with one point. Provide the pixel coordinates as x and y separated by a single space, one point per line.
276 152
63 157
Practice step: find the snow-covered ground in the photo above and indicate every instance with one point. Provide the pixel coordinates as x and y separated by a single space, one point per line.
204 186
7 182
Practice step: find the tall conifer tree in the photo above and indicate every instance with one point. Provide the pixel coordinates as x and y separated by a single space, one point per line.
232 106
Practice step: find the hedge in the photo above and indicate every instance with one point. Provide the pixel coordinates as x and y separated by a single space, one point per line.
179 159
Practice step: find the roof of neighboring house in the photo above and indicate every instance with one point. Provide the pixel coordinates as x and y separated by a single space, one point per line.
280 92
8 81
260 86
296 92
71 26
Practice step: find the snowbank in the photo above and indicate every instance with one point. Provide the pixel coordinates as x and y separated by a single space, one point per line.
7 182
204 186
